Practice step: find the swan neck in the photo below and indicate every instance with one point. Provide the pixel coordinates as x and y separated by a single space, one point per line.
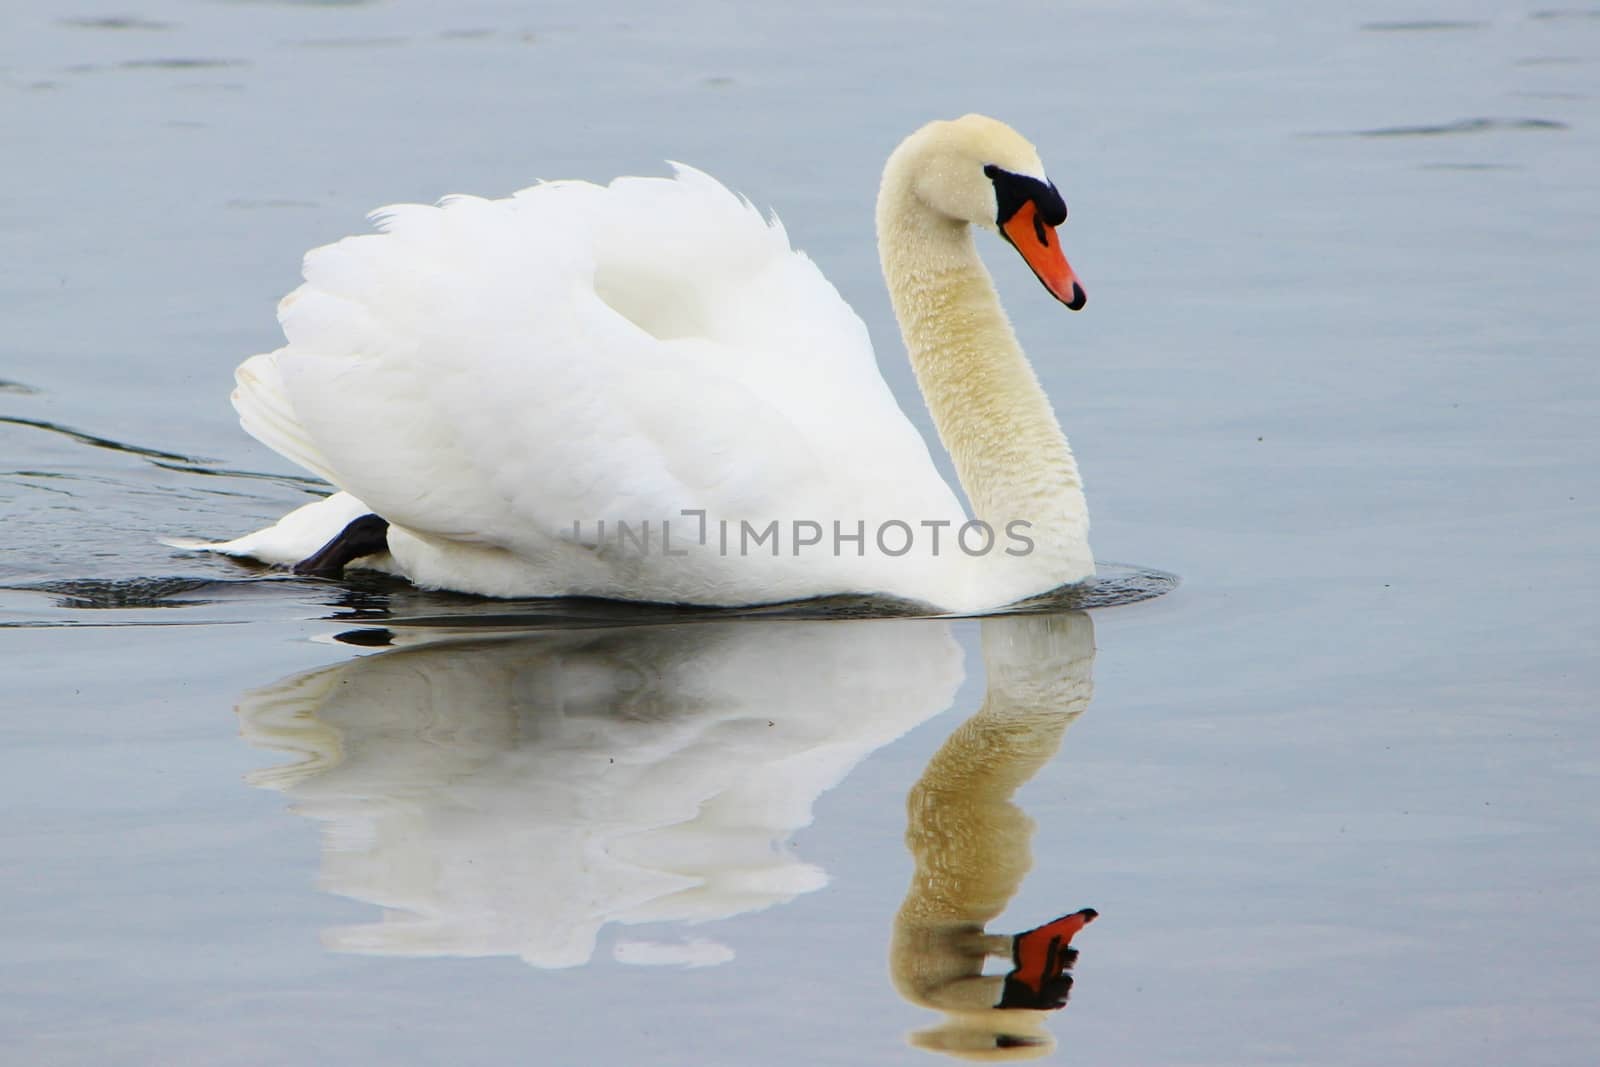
992 416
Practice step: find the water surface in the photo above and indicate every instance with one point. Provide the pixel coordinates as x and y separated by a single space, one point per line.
1333 798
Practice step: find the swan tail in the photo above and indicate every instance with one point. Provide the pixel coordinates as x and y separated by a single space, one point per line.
297 536
266 413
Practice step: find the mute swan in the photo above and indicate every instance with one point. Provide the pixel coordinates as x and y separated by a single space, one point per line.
641 392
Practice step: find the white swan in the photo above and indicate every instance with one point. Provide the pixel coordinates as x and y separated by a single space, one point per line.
641 392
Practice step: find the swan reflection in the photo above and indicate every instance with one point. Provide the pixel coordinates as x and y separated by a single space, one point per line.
972 848
512 796
515 795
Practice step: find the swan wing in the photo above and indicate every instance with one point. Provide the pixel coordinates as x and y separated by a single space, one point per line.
492 371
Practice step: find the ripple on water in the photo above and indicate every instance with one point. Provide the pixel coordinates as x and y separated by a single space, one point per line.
114 22
1422 26
308 3
181 63
273 202
1471 166
1558 13
81 510
378 602
95 594
381 602
351 42
96 441
1462 126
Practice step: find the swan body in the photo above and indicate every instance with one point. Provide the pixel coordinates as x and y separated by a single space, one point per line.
640 391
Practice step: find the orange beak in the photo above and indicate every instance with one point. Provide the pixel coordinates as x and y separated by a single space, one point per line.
1041 247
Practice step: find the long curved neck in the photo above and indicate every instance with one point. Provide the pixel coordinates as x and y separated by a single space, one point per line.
993 417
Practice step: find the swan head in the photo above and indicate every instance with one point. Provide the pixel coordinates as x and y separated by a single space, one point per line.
979 171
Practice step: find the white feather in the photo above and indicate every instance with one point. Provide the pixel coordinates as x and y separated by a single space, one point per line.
486 373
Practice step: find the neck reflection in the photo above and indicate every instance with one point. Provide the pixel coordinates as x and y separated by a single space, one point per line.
972 846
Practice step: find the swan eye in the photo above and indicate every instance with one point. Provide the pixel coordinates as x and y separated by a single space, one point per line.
1012 190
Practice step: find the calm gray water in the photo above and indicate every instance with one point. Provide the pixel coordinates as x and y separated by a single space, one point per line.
1334 798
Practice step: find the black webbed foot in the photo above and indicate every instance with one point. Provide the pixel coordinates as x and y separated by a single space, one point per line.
365 536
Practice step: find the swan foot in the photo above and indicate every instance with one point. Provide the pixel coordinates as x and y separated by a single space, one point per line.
366 536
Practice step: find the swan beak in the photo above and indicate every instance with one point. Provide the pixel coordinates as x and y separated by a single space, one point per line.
1041 247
